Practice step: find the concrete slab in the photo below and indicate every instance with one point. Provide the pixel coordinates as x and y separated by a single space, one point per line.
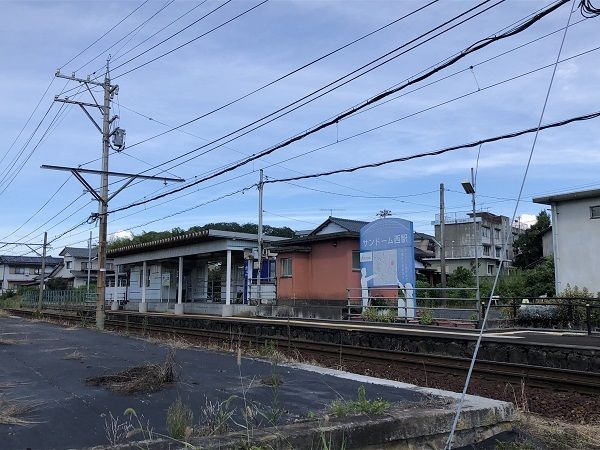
73 414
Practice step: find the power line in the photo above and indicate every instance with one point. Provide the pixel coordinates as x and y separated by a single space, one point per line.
449 442
188 42
288 74
116 58
414 90
105 34
330 122
323 88
139 27
272 149
439 151
369 130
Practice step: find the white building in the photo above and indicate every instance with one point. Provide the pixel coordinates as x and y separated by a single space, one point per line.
19 271
193 272
74 267
575 238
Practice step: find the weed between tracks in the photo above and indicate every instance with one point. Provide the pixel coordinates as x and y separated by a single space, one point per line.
538 433
144 378
17 411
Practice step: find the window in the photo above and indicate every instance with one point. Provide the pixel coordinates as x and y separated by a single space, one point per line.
84 266
486 250
141 277
109 266
69 264
356 260
17 270
485 232
595 212
286 267
498 252
490 269
496 233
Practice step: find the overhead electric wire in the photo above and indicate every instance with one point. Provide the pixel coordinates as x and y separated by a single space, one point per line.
449 442
406 93
103 35
39 210
437 105
243 13
390 55
259 155
287 142
27 121
452 60
441 151
117 57
134 30
292 72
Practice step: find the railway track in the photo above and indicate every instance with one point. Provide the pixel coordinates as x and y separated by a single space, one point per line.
542 377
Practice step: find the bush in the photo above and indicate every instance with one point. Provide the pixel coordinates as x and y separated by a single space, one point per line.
372 314
361 405
179 420
426 317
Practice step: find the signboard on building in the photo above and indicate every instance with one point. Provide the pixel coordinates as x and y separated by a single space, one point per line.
166 279
387 260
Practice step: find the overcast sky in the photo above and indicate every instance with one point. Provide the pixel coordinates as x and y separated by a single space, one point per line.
275 38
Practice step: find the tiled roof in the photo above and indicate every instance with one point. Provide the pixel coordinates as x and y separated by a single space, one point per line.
28 260
77 252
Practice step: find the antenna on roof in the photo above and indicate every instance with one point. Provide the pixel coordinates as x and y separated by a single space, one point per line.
331 210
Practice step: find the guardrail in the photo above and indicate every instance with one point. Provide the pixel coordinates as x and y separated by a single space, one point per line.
549 312
414 304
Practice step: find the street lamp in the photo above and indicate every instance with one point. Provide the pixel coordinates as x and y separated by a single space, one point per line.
469 188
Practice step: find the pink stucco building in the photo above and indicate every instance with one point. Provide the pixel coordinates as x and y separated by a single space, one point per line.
323 264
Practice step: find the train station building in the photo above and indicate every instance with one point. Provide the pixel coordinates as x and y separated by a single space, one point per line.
209 271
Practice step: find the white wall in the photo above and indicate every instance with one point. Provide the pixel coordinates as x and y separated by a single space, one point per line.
576 244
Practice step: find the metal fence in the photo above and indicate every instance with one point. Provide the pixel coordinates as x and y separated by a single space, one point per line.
414 305
60 299
575 313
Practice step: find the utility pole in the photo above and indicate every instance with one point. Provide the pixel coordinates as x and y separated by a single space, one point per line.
103 222
118 144
260 235
89 267
476 235
43 273
442 240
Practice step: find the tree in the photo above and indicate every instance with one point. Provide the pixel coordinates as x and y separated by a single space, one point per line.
528 246
149 236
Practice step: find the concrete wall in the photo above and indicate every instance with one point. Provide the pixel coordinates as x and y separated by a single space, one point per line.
547 244
576 244
324 273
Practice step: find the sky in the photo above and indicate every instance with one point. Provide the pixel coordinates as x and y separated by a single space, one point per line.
503 92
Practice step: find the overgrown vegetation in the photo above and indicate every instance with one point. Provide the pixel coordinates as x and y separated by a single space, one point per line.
180 419
149 236
537 433
376 314
144 378
17 411
360 405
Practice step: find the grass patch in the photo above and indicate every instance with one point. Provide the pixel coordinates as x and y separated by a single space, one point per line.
538 432
73 356
144 378
180 420
361 405
4 313
6 341
15 412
